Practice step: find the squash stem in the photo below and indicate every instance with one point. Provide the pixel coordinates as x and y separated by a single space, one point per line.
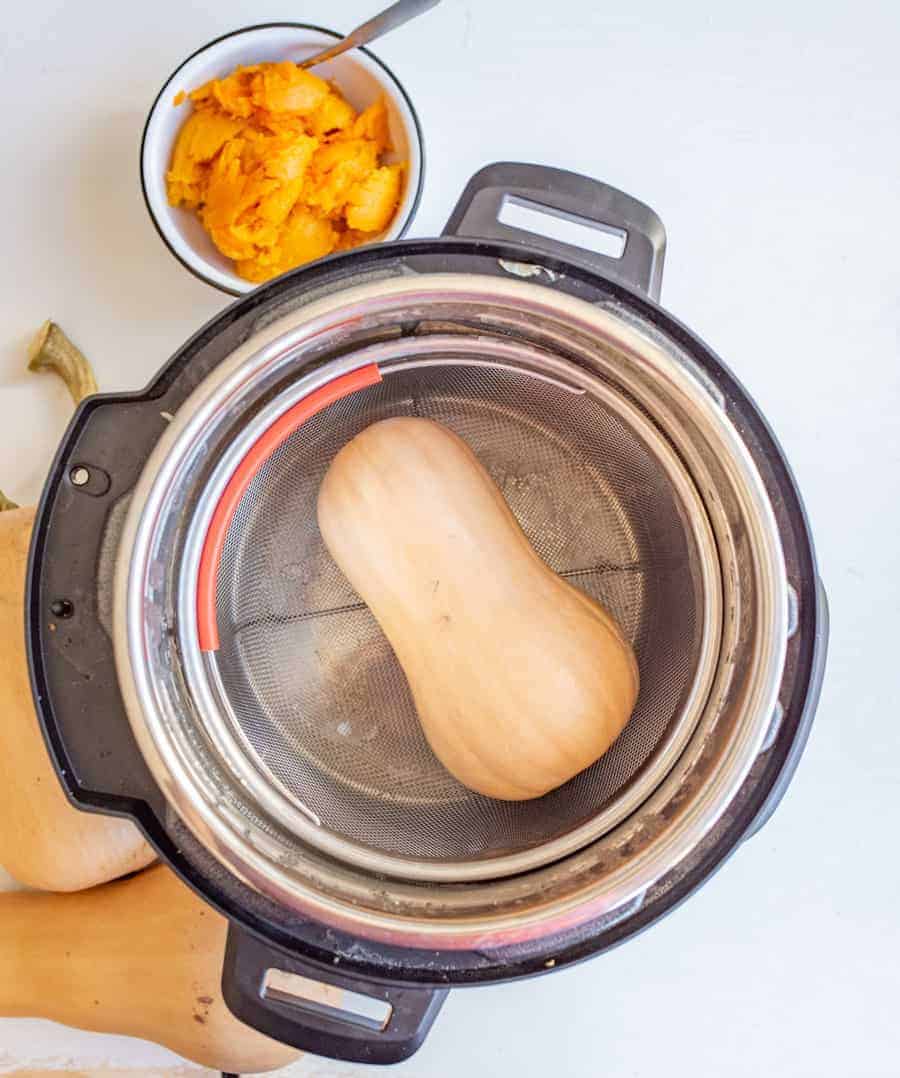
52 350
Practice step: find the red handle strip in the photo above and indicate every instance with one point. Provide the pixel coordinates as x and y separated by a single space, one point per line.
256 456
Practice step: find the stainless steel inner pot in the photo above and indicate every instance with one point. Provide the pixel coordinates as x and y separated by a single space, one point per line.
293 750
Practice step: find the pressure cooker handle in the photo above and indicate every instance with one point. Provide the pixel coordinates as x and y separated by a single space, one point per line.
535 190
313 1026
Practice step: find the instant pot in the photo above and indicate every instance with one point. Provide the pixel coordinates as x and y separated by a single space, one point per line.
202 667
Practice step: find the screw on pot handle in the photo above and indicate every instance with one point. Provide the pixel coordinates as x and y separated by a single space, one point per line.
376 1024
500 198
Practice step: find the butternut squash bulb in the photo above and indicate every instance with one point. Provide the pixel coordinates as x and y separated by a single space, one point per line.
519 679
44 841
140 957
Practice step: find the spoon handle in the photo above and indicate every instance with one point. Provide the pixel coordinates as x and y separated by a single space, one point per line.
389 19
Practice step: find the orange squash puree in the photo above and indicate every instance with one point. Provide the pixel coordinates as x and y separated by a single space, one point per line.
281 169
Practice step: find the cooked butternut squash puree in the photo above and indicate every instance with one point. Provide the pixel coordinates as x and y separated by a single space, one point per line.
281 169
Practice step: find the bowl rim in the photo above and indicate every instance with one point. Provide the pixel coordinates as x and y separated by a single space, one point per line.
188 264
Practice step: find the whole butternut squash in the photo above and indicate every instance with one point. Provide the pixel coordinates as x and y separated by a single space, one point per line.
140 957
44 841
519 679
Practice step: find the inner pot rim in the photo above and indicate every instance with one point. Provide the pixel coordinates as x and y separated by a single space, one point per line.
270 347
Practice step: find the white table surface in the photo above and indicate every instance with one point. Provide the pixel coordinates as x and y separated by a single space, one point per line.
767 136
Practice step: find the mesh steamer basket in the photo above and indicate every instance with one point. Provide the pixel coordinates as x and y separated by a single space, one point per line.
220 682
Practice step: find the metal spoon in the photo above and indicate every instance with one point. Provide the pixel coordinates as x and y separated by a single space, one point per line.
392 17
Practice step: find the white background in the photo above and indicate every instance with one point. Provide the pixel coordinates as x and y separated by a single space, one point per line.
767 136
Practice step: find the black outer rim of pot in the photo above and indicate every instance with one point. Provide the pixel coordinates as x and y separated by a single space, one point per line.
384 963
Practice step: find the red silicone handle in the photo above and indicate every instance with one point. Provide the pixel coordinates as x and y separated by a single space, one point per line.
256 456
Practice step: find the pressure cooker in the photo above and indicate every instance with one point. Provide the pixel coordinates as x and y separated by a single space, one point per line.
201 667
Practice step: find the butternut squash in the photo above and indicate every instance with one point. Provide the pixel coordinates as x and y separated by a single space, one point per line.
281 169
519 679
44 841
140 957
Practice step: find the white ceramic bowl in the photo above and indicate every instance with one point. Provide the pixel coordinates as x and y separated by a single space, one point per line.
360 77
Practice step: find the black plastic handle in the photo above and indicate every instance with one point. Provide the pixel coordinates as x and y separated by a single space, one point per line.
572 197
315 1027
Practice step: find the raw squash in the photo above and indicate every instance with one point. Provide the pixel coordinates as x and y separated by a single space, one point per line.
519 679
140 957
44 841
